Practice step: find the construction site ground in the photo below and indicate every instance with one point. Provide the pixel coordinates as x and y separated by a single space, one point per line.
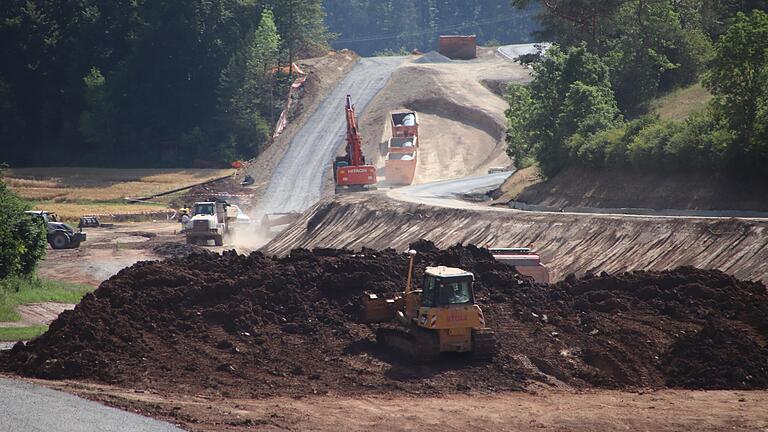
541 410
230 342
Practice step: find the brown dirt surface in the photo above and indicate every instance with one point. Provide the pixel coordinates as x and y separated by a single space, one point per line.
632 189
461 120
541 410
252 326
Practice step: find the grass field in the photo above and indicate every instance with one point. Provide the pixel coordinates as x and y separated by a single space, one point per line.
679 104
101 184
74 192
15 291
10 334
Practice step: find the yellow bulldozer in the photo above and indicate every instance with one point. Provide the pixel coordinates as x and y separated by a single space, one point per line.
440 317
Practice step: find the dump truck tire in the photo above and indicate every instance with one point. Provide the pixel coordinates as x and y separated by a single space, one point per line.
218 240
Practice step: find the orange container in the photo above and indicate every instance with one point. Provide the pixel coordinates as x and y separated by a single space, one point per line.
401 167
404 124
403 145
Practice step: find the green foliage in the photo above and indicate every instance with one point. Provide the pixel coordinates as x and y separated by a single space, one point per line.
649 45
22 237
122 83
18 290
569 115
10 334
570 94
370 27
738 78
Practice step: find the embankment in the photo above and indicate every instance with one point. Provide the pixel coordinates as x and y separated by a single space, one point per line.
567 243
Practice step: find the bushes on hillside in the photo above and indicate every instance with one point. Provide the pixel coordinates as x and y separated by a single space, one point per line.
568 115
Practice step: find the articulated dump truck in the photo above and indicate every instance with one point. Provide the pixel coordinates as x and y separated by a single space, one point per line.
402 148
401 160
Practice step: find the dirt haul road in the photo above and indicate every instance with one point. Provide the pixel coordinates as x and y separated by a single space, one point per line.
297 182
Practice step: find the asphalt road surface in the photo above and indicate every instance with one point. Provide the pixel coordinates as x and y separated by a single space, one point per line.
26 407
297 182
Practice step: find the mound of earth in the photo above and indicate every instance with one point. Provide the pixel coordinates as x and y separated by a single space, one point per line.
432 57
250 326
175 250
717 357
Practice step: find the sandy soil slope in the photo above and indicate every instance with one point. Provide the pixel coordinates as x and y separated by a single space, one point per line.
567 243
462 121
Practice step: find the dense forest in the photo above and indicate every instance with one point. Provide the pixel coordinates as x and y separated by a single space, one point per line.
178 83
390 26
146 83
589 101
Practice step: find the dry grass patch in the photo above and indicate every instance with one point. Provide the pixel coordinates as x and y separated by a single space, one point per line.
680 104
102 184
517 182
72 211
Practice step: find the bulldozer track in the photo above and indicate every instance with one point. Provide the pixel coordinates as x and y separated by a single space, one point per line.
484 345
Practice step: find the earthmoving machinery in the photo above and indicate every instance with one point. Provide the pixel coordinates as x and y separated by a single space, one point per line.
350 171
440 317
59 234
209 221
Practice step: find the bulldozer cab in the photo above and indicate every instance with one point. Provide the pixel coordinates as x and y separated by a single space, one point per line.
446 287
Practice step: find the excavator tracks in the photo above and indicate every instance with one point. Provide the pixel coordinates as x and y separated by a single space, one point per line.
483 344
418 345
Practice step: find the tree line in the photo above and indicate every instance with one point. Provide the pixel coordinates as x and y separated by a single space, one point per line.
147 83
589 100
398 26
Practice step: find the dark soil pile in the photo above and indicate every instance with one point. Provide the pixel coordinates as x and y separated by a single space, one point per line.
717 357
175 250
254 326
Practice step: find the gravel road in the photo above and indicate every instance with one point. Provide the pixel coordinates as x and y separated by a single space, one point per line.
30 408
297 182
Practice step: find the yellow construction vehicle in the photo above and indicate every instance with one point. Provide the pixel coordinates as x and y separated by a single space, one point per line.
440 317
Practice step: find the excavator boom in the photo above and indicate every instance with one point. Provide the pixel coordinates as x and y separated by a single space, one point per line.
350 170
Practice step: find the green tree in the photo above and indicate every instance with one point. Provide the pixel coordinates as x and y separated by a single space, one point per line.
96 122
22 237
738 77
247 88
650 45
570 94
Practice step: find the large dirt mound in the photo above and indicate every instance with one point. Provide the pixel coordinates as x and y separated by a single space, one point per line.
254 326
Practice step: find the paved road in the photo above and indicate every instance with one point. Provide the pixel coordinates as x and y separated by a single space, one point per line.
297 182
448 194
513 51
26 407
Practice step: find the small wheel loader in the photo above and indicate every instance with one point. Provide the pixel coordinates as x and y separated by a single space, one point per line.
440 317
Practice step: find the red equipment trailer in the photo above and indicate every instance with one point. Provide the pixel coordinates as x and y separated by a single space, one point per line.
350 171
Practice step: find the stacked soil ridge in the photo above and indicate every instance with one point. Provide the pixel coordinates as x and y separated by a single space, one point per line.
253 326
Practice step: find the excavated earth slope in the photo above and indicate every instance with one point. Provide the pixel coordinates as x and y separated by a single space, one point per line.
252 326
567 243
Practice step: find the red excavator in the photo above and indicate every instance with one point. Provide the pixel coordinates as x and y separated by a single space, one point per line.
350 171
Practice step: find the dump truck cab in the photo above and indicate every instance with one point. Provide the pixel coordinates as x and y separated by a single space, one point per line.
209 222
